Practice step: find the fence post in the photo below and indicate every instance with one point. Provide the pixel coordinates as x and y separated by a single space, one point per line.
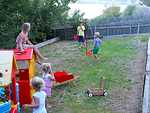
130 28
107 31
138 30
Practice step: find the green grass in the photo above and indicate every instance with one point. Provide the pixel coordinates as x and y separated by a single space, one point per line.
113 63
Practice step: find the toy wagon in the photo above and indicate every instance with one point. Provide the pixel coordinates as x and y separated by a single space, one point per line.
63 77
97 91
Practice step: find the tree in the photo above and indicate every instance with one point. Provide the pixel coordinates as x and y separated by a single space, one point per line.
113 11
42 14
48 14
10 13
76 18
109 14
146 2
129 10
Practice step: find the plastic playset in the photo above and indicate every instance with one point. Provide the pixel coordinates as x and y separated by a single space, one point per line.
9 91
16 70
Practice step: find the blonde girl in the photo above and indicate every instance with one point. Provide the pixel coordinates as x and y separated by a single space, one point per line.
48 78
23 42
39 97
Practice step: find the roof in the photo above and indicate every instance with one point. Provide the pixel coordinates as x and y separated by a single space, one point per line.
25 55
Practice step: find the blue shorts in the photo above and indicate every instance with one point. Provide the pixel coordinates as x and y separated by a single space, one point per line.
81 39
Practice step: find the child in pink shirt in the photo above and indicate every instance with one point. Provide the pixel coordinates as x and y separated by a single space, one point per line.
23 42
48 78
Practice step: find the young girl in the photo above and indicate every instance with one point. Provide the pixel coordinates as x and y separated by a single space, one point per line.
48 78
97 44
23 42
39 98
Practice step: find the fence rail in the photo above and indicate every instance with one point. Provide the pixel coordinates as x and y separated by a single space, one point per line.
67 33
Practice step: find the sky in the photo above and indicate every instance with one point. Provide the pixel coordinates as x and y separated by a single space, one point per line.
93 8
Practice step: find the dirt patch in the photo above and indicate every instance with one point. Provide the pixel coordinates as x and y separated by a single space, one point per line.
130 100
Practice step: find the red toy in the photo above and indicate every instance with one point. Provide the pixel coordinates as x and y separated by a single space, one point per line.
63 77
75 37
89 52
14 110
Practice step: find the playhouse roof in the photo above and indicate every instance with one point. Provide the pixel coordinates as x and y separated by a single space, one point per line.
26 55
6 66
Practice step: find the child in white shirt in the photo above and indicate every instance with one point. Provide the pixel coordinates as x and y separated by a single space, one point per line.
39 97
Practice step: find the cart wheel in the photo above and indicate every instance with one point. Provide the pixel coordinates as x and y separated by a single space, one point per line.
105 93
87 92
90 95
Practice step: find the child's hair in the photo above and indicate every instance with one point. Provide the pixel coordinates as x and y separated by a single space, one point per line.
25 27
37 83
97 34
46 67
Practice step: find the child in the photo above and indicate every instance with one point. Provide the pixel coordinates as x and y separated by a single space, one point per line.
39 98
23 42
97 44
48 78
80 30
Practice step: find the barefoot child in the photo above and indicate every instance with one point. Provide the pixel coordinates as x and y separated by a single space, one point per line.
39 97
97 44
23 42
48 78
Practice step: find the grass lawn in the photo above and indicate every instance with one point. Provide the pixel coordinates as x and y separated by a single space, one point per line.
113 64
